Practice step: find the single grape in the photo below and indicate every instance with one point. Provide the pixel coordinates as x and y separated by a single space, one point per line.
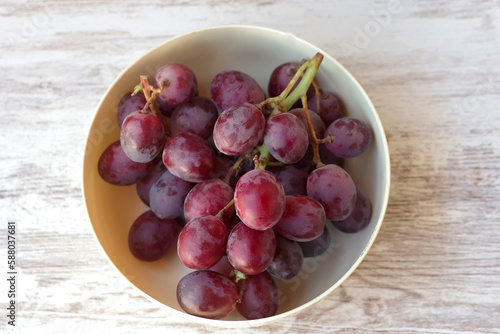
143 186
250 251
223 267
166 197
303 219
316 121
259 199
165 108
197 116
239 129
207 294
286 138
360 216
328 157
208 198
334 188
142 136
115 166
352 137
287 261
202 242
293 179
318 246
224 166
260 297
180 83
230 88
150 237
281 77
331 106
189 157
128 104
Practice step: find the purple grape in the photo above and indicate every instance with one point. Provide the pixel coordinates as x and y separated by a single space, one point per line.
260 297
328 158
166 197
303 219
259 199
128 104
208 198
318 246
224 165
142 136
287 261
223 267
189 157
360 216
239 129
197 116
352 137
293 179
202 242
143 186
331 107
180 83
115 166
316 121
334 189
250 251
207 294
150 237
231 88
286 138
281 77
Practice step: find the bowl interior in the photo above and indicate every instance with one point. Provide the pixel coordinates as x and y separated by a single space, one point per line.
256 51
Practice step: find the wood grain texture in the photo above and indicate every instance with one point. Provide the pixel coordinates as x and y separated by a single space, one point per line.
432 70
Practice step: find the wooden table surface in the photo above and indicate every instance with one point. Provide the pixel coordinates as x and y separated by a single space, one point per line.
432 70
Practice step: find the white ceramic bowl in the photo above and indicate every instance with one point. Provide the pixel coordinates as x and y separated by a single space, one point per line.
256 51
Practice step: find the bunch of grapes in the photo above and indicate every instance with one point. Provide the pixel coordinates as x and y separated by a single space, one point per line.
242 185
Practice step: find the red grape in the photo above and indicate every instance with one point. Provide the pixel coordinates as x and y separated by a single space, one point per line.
287 261
207 294
208 198
115 166
260 297
239 129
180 83
360 216
128 104
333 187
167 195
318 246
259 199
189 157
142 136
316 121
230 88
303 219
143 186
223 267
281 77
150 237
250 251
202 242
331 106
286 138
293 179
197 116
351 137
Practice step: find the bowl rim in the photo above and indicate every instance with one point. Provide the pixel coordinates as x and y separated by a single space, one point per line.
221 323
